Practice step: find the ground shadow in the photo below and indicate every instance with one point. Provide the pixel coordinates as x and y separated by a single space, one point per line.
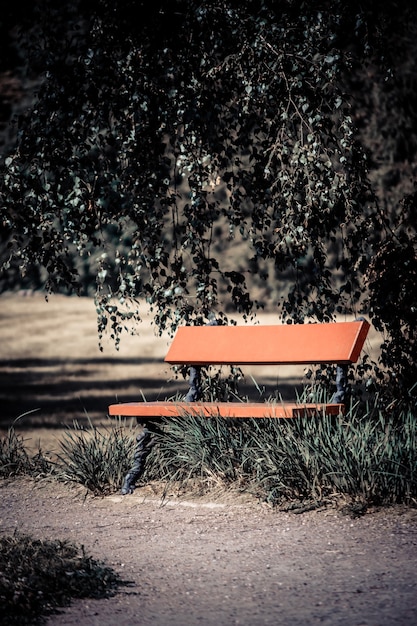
52 393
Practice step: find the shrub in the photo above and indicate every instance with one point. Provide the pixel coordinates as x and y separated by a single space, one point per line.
37 577
15 460
97 458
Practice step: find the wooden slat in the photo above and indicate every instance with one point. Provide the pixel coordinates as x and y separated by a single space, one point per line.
223 409
339 342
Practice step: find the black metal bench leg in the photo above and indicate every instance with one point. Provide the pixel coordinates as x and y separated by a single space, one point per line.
143 447
195 392
342 393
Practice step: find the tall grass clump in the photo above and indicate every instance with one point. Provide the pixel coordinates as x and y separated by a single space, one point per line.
194 447
372 457
37 577
16 461
97 457
367 454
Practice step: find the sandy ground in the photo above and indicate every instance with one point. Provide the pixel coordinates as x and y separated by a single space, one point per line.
224 561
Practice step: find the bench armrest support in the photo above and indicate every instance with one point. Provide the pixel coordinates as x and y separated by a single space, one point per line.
342 392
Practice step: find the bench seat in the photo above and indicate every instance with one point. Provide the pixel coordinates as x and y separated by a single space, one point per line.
223 409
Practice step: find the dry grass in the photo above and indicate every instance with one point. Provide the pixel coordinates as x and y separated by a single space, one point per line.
53 372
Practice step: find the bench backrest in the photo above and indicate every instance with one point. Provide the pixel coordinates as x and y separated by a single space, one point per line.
336 342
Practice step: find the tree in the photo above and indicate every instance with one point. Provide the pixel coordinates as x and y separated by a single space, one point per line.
204 158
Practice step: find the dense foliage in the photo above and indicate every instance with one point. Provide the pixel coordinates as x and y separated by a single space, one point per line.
215 158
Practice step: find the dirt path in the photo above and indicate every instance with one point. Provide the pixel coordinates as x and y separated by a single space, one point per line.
222 563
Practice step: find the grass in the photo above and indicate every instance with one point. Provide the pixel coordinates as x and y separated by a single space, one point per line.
368 455
97 458
37 577
15 460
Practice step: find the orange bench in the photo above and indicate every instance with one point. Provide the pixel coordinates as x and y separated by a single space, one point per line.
198 346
